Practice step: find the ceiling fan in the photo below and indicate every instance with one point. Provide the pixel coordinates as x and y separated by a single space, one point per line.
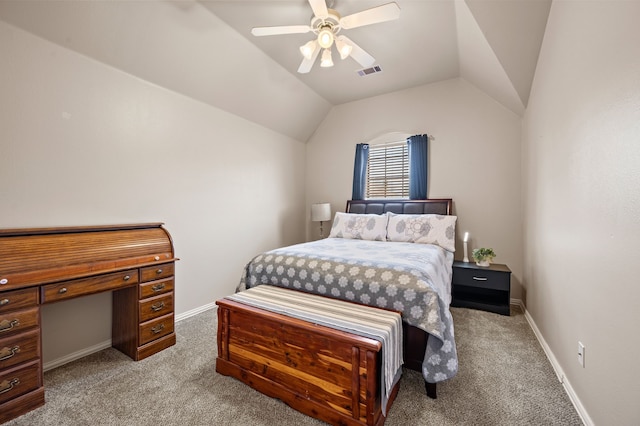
326 23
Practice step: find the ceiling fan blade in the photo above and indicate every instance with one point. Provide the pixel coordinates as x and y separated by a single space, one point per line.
386 12
319 8
358 53
307 64
286 29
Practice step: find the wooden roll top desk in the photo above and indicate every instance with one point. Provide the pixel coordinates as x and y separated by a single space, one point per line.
46 265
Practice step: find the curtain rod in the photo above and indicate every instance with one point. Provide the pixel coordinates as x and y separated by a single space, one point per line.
429 137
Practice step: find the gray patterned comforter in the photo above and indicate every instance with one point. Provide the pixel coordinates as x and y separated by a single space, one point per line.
411 278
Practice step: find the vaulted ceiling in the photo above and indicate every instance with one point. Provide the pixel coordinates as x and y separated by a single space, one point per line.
205 50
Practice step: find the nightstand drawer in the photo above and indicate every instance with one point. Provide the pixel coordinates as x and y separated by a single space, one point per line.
476 287
483 278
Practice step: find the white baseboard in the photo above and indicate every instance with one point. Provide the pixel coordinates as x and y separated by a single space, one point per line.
196 311
50 365
582 412
76 355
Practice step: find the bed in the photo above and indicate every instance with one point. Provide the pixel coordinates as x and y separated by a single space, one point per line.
381 253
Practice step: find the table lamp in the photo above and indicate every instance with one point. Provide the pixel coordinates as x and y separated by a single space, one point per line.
320 212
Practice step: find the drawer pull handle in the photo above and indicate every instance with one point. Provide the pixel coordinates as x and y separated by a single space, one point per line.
7 325
4 281
63 290
4 302
157 329
157 306
7 385
158 287
7 353
480 278
126 277
159 271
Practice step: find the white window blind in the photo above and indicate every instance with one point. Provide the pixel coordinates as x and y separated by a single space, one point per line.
388 171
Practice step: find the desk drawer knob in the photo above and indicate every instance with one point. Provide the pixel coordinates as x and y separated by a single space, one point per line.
159 271
7 385
157 329
7 325
4 281
157 306
63 290
6 353
126 278
4 302
480 278
158 287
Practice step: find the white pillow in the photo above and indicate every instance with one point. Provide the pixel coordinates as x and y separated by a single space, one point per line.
371 227
423 228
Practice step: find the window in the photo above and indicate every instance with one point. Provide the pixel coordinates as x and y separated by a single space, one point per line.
388 171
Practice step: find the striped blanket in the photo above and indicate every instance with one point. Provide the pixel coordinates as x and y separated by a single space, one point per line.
381 325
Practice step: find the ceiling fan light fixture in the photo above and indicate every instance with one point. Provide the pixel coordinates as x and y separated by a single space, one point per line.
325 37
326 23
307 49
326 60
344 48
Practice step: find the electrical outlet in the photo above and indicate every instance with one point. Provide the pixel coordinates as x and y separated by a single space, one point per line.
581 354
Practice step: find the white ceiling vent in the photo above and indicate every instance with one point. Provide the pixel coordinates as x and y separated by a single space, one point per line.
368 71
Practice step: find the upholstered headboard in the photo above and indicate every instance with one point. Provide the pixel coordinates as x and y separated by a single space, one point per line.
436 206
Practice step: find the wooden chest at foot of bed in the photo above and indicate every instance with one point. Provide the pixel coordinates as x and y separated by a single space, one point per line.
325 373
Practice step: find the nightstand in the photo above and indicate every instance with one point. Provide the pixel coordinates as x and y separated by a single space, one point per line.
485 288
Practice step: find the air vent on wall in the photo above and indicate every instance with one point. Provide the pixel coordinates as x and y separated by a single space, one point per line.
368 71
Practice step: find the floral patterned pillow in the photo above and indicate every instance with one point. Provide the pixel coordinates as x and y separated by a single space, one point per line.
360 226
423 228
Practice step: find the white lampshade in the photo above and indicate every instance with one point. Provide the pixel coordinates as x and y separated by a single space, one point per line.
325 38
320 212
308 49
344 48
326 60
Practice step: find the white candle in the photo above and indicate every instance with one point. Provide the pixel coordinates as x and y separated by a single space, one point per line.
466 252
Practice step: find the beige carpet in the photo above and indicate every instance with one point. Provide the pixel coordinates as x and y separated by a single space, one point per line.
504 379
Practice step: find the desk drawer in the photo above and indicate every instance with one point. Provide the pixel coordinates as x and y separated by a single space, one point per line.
19 381
10 300
481 278
156 272
155 288
155 307
17 321
69 289
19 348
156 328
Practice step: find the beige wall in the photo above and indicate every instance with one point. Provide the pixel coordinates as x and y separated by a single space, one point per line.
474 158
581 160
83 143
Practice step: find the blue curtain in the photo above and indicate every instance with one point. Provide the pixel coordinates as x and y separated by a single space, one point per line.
360 171
418 148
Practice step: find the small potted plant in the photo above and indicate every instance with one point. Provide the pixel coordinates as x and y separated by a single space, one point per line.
483 256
